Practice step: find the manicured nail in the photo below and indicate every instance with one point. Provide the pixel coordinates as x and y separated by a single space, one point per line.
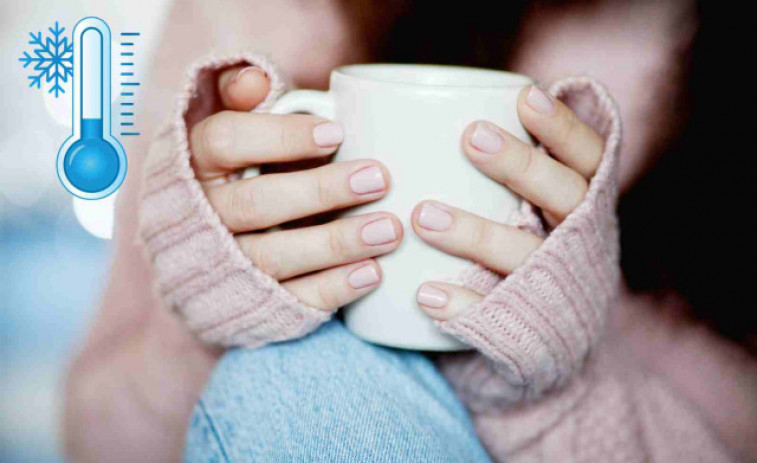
434 218
368 180
539 101
487 140
378 232
245 71
431 296
328 134
362 277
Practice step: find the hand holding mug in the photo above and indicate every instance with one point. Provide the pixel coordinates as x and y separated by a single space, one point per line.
326 266
412 118
554 182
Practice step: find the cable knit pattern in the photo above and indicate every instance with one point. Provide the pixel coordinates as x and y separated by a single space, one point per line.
199 269
538 324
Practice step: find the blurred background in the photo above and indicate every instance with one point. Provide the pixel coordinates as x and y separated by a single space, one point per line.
54 251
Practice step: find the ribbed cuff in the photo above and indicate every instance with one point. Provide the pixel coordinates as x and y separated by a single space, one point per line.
198 268
539 323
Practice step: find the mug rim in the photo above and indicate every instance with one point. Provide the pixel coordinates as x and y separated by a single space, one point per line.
488 79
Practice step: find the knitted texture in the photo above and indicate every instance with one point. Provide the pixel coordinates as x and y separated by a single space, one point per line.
613 411
198 268
541 387
538 324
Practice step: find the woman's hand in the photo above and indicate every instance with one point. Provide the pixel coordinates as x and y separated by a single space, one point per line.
556 184
142 370
325 266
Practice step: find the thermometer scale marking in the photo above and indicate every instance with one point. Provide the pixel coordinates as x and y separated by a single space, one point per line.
91 163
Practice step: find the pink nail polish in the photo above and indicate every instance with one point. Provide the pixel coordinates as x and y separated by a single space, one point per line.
362 277
328 134
487 140
368 180
431 296
539 101
378 232
434 218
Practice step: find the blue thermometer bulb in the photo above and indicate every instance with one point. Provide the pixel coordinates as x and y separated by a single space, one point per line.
91 163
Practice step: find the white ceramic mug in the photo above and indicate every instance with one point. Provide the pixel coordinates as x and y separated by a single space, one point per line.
411 118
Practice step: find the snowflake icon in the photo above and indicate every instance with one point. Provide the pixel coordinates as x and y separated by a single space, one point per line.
52 58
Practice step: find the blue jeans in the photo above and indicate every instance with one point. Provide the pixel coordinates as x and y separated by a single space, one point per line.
329 397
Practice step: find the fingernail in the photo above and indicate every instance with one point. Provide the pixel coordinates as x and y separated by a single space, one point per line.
244 71
434 218
431 297
368 180
328 134
487 140
378 232
539 101
362 277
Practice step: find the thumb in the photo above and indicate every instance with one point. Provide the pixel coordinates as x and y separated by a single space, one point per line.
242 88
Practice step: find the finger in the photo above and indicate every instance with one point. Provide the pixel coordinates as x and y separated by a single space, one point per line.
442 301
336 287
539 178
501 248
558 128
228 141
243 87
272 199
289 253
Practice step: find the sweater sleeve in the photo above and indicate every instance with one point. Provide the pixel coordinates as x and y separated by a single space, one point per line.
198 269
536 326
614 410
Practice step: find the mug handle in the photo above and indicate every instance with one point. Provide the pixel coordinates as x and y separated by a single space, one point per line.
300 101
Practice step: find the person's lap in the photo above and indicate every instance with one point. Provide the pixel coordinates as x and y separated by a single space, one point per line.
329 397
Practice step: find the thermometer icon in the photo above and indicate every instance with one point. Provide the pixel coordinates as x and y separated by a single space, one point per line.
91 162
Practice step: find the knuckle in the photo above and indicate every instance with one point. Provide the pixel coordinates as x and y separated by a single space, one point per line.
339 244
286 140
244 203
521 162
482 236
326 295
326 195
263 258
568 126
216 137
575 195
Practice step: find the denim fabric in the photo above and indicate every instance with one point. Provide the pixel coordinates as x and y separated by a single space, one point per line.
329 397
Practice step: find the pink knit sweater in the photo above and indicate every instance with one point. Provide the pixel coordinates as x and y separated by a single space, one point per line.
549 379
